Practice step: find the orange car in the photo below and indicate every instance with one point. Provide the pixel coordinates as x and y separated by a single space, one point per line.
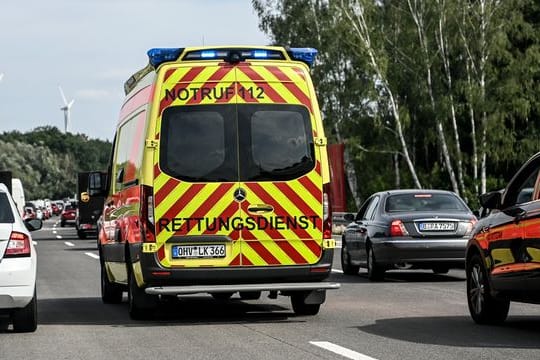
503 256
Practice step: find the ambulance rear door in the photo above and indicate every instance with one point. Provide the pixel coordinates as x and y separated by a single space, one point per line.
280 189
196 167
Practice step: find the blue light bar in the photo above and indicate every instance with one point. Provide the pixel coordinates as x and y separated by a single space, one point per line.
158 56
306 55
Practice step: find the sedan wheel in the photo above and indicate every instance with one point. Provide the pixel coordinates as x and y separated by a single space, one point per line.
484 308
375 271
346 265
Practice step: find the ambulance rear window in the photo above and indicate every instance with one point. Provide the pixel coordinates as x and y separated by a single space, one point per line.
244 142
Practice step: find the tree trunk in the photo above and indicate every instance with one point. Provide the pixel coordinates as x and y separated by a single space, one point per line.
361 30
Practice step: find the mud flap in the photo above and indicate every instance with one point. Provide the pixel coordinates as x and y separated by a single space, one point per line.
315 297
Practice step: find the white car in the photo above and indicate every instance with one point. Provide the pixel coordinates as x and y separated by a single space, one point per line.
18 262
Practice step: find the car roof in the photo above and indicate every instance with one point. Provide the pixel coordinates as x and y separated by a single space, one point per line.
416 191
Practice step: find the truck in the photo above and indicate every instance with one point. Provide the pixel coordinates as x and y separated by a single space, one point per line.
89 208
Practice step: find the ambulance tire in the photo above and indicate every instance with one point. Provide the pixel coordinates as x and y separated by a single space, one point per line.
141 305
25 319
301 308
111 293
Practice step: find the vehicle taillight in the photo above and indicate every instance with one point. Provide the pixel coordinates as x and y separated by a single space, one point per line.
470 226
18 245
327 213
147 214
398 229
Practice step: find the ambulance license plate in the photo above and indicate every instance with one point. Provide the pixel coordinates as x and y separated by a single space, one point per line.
198 251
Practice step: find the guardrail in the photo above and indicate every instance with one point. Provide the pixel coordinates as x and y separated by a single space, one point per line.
338 222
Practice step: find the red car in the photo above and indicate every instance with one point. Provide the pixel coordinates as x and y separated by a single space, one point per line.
69 214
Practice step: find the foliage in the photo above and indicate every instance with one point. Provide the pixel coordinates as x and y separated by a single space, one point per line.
464 76
47 161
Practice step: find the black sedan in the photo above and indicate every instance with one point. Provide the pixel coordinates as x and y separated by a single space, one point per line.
407 229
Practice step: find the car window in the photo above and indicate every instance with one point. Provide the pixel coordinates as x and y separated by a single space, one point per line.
370 211
200 143
276 142
413 202
521 188
6 215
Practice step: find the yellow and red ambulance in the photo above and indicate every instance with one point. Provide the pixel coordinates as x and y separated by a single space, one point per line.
217 181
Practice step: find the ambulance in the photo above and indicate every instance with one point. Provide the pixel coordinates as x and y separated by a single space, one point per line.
218 181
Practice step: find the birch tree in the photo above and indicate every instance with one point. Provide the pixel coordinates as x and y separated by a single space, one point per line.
355 13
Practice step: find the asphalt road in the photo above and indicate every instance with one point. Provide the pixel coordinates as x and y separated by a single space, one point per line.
412 315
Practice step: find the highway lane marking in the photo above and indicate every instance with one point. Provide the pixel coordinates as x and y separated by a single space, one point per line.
92 255
69 243
340 350
337 271
58 236
34 242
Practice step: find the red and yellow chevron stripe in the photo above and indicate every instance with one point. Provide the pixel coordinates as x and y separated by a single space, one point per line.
203 209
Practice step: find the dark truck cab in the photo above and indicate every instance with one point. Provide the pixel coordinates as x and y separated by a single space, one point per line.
89 210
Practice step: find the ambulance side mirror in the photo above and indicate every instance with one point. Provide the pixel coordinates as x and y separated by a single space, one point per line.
97 184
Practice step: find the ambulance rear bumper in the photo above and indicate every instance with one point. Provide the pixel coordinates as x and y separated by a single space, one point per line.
156 276
196 289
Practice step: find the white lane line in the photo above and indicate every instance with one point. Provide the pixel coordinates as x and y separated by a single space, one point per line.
58 236
340 350
55 232
337 271
69 243
92 255
34 242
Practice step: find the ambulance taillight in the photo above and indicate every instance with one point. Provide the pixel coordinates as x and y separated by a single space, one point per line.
147 214
327 213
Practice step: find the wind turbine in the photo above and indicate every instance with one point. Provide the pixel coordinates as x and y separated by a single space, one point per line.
66 108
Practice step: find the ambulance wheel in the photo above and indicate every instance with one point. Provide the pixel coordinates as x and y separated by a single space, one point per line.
250 295
25 319
301 308
222 296
111 293
141 305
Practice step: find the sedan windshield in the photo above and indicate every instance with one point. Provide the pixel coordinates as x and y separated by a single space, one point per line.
424 202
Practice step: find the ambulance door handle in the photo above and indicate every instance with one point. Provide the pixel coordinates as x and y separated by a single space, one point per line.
260 208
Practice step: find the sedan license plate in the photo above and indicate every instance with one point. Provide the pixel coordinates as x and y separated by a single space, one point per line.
198 251
437 226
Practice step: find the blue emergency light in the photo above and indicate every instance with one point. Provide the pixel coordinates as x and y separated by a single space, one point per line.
158 56
306 55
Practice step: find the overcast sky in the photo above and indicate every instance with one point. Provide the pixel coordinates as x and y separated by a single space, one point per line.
90 47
